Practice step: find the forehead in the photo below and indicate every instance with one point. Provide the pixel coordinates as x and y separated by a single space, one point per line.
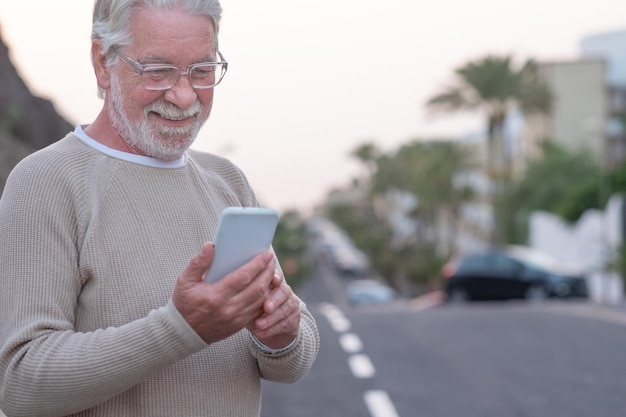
159 31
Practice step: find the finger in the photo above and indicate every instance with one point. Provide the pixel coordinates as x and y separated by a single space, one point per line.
249 287
281 304
199 264
278 278
286 327
277 298
257 271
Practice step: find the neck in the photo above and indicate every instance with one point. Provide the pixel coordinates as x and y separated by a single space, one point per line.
101 130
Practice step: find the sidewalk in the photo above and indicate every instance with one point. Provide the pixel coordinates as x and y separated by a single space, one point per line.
614 302
606 289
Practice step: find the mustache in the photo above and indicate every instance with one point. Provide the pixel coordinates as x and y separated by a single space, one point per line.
173 112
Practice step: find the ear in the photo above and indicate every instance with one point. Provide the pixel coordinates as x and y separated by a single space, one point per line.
99 65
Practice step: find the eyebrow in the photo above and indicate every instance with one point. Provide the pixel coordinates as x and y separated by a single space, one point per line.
151 59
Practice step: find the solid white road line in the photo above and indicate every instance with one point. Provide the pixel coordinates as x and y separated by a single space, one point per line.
350 342
379 404
361 366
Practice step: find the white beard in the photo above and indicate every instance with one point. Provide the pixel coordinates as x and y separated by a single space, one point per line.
157 141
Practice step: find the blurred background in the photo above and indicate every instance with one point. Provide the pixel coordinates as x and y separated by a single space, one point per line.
407 143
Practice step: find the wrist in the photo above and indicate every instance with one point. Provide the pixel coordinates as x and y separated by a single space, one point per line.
268 350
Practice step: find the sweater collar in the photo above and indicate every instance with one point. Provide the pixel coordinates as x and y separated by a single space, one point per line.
126 156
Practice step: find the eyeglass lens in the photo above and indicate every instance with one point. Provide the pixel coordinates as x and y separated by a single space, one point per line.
201 76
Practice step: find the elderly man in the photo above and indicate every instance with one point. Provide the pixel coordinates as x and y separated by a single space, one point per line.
105 240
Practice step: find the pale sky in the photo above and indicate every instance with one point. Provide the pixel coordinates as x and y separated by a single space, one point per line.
309 81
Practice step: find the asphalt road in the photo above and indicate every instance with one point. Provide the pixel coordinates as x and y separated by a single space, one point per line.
557 359
505 359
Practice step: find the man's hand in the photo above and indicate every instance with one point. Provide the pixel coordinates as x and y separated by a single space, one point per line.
278 325
216 311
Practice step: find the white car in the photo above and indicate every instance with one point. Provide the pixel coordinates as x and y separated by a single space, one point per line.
369 291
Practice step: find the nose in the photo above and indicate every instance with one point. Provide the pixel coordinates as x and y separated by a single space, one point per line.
182 93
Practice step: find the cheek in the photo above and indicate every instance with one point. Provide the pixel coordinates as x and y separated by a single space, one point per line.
206 100
140 99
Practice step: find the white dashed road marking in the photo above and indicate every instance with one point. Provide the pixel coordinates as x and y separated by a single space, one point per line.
379 404
350 342
377 401
335 317
361 366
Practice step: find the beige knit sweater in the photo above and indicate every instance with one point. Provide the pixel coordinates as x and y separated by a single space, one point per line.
91 244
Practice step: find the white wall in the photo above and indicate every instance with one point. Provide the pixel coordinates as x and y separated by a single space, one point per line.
590 245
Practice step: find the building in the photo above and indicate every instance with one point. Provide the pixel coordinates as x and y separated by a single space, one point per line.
588 114
589 110
580 109
611 48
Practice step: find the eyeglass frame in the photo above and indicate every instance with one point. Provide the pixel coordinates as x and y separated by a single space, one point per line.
141 68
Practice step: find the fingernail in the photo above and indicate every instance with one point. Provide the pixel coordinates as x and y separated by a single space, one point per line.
203 251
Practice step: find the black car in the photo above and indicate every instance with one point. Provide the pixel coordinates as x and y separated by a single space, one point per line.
511 272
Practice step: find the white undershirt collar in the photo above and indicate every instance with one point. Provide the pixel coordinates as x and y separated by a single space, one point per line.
126 156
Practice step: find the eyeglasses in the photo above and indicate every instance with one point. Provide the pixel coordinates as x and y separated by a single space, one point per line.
164 77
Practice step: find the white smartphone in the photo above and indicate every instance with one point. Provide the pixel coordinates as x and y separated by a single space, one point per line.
243 233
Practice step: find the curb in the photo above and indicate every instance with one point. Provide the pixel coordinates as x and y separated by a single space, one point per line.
427 300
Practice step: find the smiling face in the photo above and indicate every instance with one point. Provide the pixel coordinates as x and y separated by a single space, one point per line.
161 124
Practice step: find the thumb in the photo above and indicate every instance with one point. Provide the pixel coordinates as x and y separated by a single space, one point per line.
199 264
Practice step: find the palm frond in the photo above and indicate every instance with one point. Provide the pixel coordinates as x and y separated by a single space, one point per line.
451 99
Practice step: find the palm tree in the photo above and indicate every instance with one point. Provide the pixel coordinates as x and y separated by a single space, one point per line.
367 153
492 86
430 171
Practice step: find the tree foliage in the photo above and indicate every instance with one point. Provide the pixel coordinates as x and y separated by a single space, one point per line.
594 193
426 169
289 244
367 153
559 181
494 86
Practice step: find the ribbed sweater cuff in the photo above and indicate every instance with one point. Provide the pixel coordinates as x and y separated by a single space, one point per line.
186 333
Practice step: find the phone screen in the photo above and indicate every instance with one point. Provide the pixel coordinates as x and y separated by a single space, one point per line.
243 233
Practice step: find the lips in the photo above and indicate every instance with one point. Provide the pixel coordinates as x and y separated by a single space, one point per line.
177 120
